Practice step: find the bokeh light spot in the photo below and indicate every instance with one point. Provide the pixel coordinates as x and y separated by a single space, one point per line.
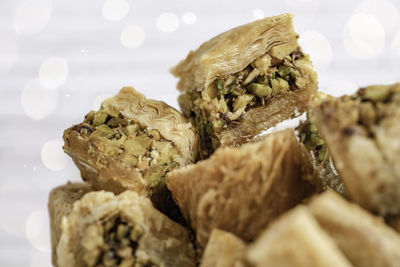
115 10
32 16
363 36
189 18
383 10
132 36
53 157
53 72
37 101
167 22
319 48
37 230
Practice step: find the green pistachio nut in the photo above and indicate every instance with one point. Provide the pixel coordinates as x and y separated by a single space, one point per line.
260 90
89 117
377 93
99 118
132 129
105 130
316 140
279 85
284 70
220 85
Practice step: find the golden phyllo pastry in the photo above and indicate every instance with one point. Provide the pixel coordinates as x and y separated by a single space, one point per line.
106 230
132 143
61 201
362 134
224 249
365 239
241 190
245 80
295 239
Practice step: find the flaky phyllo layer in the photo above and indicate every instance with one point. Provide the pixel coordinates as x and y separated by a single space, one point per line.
132 143
137 146
245 80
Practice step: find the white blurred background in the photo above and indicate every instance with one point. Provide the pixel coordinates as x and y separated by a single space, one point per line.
61 58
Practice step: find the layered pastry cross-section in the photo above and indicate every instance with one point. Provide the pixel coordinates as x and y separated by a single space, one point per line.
295 239
132 143
245 80
362 134
364 238
104 230
241 190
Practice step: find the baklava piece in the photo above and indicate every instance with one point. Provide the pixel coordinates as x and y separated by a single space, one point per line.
132 143
295 239
241 190
245 80
365 239
107 230
308 134
362 134
61 201
224 250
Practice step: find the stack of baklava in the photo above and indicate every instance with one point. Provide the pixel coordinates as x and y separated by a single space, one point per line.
208 187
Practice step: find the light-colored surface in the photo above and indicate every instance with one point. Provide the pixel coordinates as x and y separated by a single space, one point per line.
57 57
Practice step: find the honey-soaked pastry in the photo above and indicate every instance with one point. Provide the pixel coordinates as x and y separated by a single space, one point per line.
132 143
126 230
245 80
362 134
295 239
365 239
61 200
224 249
241 190
308 134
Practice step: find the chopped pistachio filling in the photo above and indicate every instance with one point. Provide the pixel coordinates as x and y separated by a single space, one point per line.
113 243
368 107
225 101
309 136
136 146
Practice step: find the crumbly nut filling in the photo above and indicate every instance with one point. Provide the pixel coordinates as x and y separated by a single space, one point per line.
136 146
225 101
113 242
369 106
